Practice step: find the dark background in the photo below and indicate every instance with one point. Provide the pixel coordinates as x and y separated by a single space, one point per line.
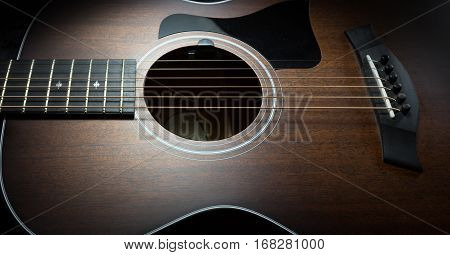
423 46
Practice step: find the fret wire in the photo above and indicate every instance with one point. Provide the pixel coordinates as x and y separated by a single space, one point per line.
88 85
4 84
106 86
69 85
50 80
28 86
121 85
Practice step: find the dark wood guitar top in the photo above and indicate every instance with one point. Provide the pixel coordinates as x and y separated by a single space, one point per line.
100 176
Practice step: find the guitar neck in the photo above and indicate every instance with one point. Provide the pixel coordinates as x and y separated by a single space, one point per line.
65 87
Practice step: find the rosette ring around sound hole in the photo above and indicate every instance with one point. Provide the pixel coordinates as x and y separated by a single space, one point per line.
185 74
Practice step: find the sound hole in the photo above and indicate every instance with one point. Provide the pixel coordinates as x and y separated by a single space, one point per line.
196 77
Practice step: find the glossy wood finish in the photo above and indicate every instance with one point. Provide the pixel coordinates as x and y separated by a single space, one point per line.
99 176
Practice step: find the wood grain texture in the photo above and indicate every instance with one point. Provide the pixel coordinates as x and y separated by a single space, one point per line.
100 177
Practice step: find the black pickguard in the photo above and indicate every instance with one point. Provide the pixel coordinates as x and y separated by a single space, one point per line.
282 33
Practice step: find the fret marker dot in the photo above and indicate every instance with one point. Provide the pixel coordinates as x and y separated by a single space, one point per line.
96 84
58 85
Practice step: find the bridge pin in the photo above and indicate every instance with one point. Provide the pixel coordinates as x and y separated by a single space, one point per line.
405 108
392 78
384 59
388 68
396 88
401 97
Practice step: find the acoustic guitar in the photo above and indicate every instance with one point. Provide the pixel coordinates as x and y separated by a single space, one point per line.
123 116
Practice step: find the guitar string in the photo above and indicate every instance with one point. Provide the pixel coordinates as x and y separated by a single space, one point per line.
214 77
182 68
319 74
214 86
215 60
83 98
23 62
208 97
79 72
216 107
219 69
198 77
131 66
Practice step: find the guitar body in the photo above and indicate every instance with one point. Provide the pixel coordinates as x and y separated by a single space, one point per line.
86 176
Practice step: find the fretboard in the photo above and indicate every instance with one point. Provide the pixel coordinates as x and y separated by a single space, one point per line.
64 87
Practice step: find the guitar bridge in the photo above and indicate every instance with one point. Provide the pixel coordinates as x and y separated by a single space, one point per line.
398 127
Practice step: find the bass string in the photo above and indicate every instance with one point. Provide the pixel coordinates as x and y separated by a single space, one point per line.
8 88
21 62
259 78
103 88
204 107
198 77
230 68
241 60
216 107
205 97
302 71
